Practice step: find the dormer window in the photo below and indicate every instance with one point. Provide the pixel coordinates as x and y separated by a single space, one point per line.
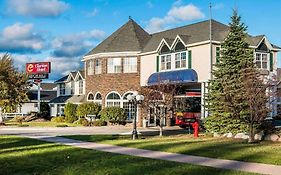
180 60
80 86
62 88
179 47
166 62
72 87
261 60
164 49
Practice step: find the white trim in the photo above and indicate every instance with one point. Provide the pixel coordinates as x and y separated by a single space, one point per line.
68 79
162 42
88 96
111 54
78 72
110 100
175 42
267 43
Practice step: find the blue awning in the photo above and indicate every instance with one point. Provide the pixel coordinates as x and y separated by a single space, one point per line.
173 77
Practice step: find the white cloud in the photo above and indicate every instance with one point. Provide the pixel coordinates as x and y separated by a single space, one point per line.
21 38
37 8
94 12
175 14
76 44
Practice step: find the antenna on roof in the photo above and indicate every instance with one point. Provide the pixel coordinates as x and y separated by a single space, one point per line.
210 37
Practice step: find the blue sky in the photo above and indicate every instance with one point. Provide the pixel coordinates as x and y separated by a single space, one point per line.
63 31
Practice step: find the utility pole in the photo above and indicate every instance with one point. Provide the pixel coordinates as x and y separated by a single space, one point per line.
211 46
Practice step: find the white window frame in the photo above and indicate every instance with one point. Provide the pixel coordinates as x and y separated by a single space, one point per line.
179 58
90 67
164 64
99 101
261 61
72 87
98 66
130 65
80 87
90 93
62 88
113 102
114 65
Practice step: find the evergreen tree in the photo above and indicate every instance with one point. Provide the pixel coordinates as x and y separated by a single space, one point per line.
13 86
226 95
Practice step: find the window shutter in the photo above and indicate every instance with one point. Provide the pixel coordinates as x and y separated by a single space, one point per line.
157 64
217 54
271 62
189 59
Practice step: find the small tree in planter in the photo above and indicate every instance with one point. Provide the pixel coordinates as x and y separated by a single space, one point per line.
70 112
113 115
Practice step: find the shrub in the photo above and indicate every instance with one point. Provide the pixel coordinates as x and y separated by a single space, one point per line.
113 115
99 123
70 112
88 108
58 119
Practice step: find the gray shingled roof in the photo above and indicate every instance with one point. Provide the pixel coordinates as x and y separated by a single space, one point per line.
130 37
69 98
193 33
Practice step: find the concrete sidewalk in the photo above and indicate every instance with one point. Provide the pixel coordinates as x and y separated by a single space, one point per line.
196 160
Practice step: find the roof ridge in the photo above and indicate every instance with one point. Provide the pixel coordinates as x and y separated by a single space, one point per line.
188 26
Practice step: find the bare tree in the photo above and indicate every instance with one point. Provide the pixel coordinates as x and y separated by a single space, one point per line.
160 98
257 92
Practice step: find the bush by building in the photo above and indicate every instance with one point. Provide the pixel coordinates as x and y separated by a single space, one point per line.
115 115
70 112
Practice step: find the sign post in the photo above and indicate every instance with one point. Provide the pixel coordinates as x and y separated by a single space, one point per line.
37 72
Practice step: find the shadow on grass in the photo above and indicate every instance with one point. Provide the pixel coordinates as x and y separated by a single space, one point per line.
69 160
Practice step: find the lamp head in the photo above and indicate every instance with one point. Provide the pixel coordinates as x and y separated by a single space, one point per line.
130 97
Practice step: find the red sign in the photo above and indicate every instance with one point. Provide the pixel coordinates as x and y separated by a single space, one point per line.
37 68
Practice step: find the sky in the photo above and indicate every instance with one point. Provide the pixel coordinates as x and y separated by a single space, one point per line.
62 31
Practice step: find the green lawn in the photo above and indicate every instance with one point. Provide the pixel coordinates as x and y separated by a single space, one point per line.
27 156
39 124
233 149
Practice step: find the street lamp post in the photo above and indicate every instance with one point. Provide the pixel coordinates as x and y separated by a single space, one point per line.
135 99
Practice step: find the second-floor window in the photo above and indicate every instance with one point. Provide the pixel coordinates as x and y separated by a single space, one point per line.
98 66
130 65
261 60
62 89
72 88
90 67
80 86
166 63
114 65
180 60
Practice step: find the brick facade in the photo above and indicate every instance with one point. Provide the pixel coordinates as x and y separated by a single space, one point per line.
108 82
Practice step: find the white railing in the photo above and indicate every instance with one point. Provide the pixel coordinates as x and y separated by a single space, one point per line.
11 115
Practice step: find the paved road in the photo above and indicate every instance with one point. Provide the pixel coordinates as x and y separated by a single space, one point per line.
196 160
56 131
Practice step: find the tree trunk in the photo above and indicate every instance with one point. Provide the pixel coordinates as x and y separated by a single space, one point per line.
1 116
251 134
161 127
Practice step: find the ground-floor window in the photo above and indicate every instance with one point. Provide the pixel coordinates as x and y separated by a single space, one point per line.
113 99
